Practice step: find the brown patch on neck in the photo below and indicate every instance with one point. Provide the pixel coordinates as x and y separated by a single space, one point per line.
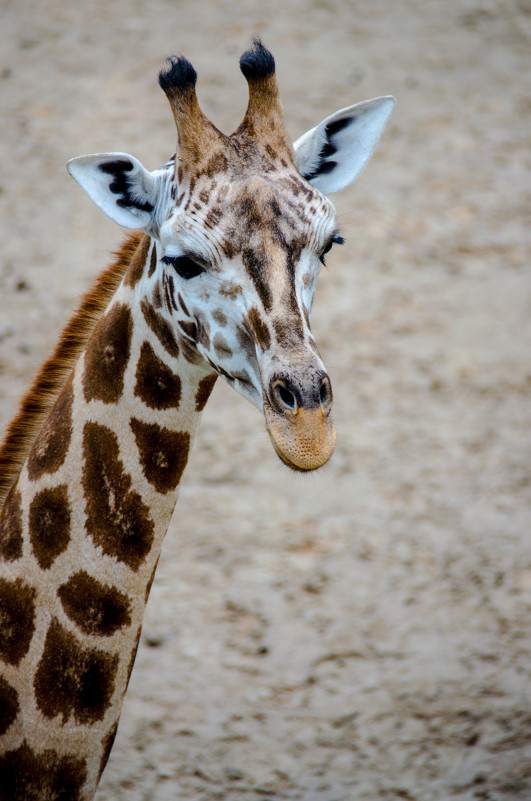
117 519
206 385
107 742
9 704
97 608
11 541
23 772
49 524
163 453
52 376
107 356
156 385
135 271
17 619
72 680
51 446
161 328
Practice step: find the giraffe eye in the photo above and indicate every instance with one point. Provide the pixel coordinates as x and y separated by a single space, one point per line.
336 240
184 266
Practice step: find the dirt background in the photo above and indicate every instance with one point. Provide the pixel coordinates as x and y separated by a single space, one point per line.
363 632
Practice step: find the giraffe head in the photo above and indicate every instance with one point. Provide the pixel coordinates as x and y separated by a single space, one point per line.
242 224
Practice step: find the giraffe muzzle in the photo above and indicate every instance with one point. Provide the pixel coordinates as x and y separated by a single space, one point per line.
299 422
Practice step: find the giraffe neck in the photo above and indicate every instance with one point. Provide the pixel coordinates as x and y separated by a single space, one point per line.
80 537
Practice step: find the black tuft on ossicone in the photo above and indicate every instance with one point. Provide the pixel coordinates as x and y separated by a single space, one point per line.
257 62
178 74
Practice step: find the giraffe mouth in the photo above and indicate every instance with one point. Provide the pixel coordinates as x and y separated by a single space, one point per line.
304 440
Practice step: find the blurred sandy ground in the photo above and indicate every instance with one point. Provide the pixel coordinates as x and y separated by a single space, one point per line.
364 632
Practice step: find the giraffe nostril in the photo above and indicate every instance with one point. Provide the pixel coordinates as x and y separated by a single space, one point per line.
325 393
284 398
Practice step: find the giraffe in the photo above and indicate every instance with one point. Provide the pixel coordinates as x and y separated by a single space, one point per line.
217 278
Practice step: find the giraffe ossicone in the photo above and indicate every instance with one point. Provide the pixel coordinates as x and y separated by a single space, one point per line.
218 279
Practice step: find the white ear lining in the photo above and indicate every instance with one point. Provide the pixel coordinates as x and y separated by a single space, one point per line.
333 154
119 185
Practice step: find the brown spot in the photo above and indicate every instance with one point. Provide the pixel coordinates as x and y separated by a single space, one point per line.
220 317
107 743
17 619
230 290
216 163
135 270
203 333
255 263
271 152
190 352
29 776
169 301
259 329
49 524
307 279
151 580
206 385
221 346
9 705
156 385
171 290
152 261
189 329
138 261
96 608
163 453
157 296
107 355
213 217
295 186
180 173
72 680
246 343
182 304
51 446
275 208
204 196
161 328
11 527
117 519
229 247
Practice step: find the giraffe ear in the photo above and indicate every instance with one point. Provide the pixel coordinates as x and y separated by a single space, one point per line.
333 154
119 185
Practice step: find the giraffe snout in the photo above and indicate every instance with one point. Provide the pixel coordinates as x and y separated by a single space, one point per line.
299 420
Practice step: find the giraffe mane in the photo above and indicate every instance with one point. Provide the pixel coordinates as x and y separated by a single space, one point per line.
51 377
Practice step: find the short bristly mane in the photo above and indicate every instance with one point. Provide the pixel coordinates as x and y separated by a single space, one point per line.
50 379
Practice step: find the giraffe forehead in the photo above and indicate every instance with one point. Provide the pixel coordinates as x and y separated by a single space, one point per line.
231 214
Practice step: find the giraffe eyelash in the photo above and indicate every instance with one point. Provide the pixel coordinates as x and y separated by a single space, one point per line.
337 239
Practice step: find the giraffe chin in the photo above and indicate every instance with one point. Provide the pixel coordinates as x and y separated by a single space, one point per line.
303 441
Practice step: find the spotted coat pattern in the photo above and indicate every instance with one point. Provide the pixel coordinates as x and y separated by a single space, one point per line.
82 527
